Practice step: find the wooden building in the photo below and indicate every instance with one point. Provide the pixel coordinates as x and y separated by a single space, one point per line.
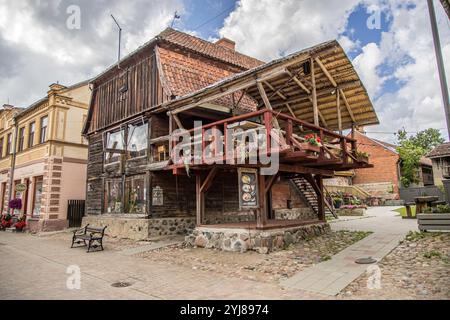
138 187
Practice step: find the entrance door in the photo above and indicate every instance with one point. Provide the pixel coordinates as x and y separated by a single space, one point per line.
25 196
2 200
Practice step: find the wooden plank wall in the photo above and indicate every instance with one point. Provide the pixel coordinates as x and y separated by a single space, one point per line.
109 106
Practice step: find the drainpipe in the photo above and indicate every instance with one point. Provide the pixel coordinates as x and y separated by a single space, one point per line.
13 161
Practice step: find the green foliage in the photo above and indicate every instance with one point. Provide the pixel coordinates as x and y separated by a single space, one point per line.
432 253
411 149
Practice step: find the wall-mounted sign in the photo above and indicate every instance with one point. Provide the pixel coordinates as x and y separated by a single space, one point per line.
157 196
248 188
21 187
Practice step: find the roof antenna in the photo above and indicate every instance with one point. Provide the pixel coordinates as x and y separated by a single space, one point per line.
175 17
120 38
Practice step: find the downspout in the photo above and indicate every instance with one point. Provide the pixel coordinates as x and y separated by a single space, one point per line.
13 161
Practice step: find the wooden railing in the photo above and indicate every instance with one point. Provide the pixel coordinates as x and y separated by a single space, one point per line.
281 127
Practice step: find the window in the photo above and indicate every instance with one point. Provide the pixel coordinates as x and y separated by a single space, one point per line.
21 138
136 194
43 133
113 196
31 134
37 196
137 140
114 145
2 141
8 144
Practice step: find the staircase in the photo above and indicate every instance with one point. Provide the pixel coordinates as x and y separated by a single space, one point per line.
307 192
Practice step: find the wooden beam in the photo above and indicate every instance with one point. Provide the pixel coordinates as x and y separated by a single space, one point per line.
314 94
209 180
277 92
320 198
293 114
177 121
304 170
298 82
325 71
271 182
347 105
263 94
338 106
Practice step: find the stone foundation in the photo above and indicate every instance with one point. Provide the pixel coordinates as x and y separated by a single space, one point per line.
241 240
35 225
220 218
141 228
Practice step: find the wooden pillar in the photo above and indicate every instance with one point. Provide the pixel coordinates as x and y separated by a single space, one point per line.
320 198
338 106
261 212
200 199
314 94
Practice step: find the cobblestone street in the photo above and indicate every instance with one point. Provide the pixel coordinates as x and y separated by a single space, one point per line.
35 267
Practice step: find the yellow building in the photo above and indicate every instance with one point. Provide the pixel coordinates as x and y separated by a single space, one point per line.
48 167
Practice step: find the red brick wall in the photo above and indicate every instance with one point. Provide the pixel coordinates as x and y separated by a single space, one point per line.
384 161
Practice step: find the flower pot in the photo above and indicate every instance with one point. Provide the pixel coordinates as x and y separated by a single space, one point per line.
363 159
309 147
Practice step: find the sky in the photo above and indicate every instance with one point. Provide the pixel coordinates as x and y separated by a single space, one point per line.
389 42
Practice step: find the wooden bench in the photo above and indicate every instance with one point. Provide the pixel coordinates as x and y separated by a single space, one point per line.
93 237
435 222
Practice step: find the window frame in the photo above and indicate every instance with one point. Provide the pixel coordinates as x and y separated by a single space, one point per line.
8 144
31 133
43 134
21 140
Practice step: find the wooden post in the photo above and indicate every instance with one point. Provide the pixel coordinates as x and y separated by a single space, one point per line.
320 198
199 199
289 131
338 106
268 124
261 212
314 94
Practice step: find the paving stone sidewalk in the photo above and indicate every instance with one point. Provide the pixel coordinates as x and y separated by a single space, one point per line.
331 277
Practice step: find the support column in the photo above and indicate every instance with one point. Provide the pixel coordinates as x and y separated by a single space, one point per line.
314 94
200 199
261 212
320 198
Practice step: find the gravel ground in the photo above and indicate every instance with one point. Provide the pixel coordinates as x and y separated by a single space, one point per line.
419 268
253 266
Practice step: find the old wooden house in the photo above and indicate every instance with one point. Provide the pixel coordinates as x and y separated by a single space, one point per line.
146 179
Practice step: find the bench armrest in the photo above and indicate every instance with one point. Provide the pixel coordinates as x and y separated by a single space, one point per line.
80 231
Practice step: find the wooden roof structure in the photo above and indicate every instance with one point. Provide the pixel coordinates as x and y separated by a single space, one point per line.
318 85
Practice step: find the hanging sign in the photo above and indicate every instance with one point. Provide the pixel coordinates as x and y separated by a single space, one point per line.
21 187
248 188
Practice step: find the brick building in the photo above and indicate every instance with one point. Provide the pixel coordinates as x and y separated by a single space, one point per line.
384 178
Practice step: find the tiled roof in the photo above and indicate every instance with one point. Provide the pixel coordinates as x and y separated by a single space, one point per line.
184 74
442 150
209 49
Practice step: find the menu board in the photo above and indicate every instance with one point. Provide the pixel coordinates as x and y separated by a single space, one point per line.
248 188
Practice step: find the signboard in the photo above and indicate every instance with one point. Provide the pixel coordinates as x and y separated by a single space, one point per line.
157 196
248 188
21 187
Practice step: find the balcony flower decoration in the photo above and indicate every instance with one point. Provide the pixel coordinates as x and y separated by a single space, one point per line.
362 156
6 221
312 144
15 204
21 223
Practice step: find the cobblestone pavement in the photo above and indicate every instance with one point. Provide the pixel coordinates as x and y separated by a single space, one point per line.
35 268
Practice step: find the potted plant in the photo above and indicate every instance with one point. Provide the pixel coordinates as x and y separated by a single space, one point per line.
15 205
362 156
20 224
6 221
312 143
337 201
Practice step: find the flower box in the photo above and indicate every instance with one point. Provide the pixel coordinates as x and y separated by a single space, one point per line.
361 158
306 146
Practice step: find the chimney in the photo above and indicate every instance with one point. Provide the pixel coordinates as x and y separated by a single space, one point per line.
8 106
226 43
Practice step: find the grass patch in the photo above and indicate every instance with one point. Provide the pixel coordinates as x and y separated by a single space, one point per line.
432 253
402 211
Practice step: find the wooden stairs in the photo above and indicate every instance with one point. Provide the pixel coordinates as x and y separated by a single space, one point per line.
309 195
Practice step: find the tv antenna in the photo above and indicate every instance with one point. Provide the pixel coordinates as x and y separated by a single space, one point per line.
120 38
175 17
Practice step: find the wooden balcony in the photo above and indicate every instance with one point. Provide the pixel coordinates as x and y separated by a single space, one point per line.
226 142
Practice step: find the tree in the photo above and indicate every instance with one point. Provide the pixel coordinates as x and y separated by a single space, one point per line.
411 149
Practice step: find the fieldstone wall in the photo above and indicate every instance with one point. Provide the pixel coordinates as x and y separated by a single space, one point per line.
239 240
295 214
171 226
141 228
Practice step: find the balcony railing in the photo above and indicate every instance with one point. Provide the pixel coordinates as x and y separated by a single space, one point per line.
244 138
